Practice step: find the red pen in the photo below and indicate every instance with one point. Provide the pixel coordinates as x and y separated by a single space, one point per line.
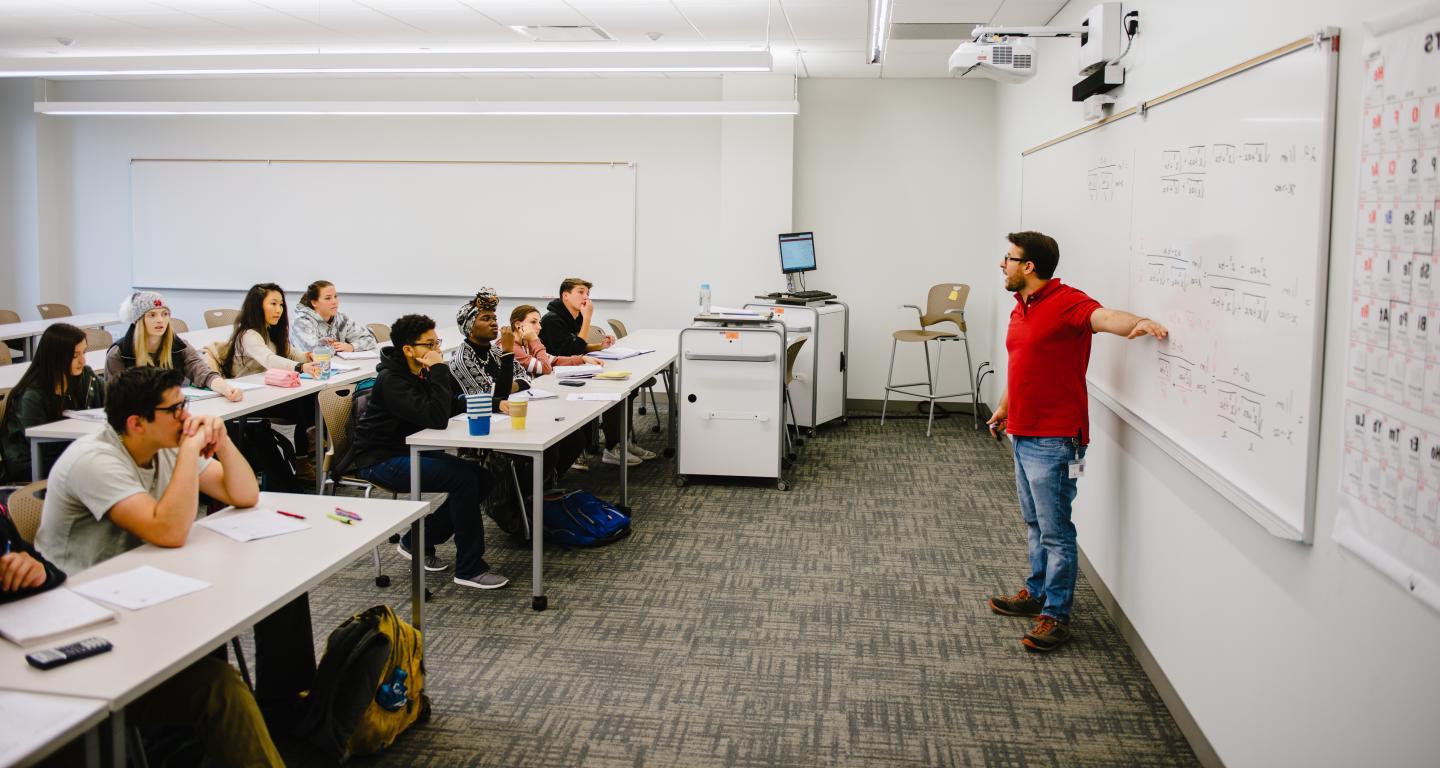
289 514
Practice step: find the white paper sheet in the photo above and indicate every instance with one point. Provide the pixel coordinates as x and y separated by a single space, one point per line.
48 614
89 414
598 396
195 393
369 354
32 718
243 386
620 353
571 371
141 587
252 524
535 393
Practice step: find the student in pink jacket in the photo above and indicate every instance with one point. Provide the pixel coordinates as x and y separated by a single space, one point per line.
530 351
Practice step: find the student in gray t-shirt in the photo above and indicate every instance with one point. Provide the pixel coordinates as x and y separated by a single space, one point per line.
139 481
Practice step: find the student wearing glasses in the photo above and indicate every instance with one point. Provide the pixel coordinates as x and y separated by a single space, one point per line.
151 340
414 390
138 481
320 325
57 381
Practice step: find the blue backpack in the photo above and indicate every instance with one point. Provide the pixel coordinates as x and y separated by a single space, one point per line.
579 519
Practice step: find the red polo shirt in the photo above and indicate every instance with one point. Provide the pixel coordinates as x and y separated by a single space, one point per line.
1049 346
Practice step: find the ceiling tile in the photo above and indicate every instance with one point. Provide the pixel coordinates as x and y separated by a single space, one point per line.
943 11
1027 12
840 64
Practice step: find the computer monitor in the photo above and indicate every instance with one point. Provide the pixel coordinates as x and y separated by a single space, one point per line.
797 252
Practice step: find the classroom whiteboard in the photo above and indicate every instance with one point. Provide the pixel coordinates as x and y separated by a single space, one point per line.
388 228
1209 210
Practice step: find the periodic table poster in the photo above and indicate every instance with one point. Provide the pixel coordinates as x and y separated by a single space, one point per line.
1390 479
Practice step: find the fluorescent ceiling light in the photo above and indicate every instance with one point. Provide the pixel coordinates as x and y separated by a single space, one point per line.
879 30
429 108
516 62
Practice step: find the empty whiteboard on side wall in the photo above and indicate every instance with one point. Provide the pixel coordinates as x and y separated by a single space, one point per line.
418 228
1214 219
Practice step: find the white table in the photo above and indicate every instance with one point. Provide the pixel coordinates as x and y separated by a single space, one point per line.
38 724
95 358
547 422
29 329
248 581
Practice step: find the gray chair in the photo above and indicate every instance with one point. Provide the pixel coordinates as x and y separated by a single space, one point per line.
98 338
945 304
179 325
217 318
381 332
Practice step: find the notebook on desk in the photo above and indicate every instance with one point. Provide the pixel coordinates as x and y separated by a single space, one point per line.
48 614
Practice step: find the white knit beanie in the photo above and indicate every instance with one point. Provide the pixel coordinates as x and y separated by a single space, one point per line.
140 302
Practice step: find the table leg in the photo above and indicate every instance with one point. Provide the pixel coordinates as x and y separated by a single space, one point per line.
36 462
319 448
417 547
117 738
92 747
538 600
624 406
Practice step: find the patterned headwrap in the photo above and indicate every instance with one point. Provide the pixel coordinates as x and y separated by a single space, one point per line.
485 299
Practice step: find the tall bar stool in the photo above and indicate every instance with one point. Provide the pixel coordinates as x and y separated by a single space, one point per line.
945 304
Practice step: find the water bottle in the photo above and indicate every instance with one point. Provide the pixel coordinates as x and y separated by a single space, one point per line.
704 298
391 696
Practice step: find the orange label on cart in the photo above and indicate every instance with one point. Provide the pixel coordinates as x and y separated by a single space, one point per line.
732 335
779 310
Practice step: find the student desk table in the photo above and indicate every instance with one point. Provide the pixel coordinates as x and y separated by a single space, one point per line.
248 581
29 329
50 723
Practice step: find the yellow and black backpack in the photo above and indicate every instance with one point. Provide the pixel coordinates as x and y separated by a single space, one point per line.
369 687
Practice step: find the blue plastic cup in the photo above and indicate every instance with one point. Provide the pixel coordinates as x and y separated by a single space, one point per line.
479 425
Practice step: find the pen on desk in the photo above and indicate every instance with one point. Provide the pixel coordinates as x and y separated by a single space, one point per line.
348 513
340 519
289 514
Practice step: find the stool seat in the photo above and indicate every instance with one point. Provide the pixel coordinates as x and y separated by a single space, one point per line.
917 335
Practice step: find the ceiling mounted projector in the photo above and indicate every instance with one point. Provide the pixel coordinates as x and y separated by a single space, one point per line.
1007 59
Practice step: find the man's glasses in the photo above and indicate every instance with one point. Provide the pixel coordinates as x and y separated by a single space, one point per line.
1008 257
173 410
428 344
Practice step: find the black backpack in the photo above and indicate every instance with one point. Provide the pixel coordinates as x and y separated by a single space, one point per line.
268 452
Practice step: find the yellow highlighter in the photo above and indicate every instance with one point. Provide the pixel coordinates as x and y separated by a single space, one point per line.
340 519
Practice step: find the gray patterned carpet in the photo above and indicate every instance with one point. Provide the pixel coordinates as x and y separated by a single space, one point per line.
841 623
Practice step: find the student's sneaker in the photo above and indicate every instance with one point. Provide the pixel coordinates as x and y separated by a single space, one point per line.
612 456
580 465
639 452
1048 634
486 580
1022 604
432 561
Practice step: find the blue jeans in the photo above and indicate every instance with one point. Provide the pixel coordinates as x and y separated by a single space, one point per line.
1042 478
465 485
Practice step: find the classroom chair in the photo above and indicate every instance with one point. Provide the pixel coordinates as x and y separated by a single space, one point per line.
381 331
945 304
179 325
216 318
792 351
5 357
647 388
25 506
52 311
98 338
16 347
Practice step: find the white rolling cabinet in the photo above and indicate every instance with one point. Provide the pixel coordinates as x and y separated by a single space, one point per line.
731 382
821 387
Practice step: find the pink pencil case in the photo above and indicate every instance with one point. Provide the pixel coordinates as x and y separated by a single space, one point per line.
277 377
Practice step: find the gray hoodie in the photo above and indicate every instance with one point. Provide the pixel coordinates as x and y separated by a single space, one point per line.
308 332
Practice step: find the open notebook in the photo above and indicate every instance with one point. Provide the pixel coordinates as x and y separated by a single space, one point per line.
48 614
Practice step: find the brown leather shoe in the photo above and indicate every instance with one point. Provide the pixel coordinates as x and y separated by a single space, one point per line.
1048 634
1022 604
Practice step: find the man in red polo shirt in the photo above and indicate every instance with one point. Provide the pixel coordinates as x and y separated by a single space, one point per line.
1046 413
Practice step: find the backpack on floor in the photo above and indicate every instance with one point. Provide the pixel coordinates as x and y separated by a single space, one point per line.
369 687
268 452
580 519
510 510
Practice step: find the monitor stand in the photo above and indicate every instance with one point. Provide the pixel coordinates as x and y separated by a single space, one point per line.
790 286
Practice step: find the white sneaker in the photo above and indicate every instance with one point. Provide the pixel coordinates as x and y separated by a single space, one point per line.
639 452
580 465
612 456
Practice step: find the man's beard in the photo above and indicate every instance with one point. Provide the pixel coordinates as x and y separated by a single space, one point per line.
1014 282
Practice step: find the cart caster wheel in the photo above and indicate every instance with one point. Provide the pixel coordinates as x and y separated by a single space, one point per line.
681 481
382 580
845 421
655 430
669 453
394 538
539 603
781 485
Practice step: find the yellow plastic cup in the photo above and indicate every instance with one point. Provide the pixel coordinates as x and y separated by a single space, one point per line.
518 412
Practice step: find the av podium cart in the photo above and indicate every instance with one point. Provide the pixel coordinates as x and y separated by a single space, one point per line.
821 388
730 390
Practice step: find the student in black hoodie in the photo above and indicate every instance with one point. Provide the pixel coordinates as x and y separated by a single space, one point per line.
415 390
564 330
23 571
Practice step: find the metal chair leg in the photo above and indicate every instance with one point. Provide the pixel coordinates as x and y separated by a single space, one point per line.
240 660
974 387
136 748
889 380
930 382
520 499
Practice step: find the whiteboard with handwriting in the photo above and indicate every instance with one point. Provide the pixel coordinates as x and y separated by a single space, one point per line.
1210 212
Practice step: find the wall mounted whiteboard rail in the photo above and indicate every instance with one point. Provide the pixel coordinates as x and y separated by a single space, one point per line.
389 227
1208 208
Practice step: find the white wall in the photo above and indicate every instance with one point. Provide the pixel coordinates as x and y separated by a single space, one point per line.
19 247
895 178
1285 654
712 192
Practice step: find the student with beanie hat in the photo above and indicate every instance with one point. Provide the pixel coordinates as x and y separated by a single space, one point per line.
151 340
